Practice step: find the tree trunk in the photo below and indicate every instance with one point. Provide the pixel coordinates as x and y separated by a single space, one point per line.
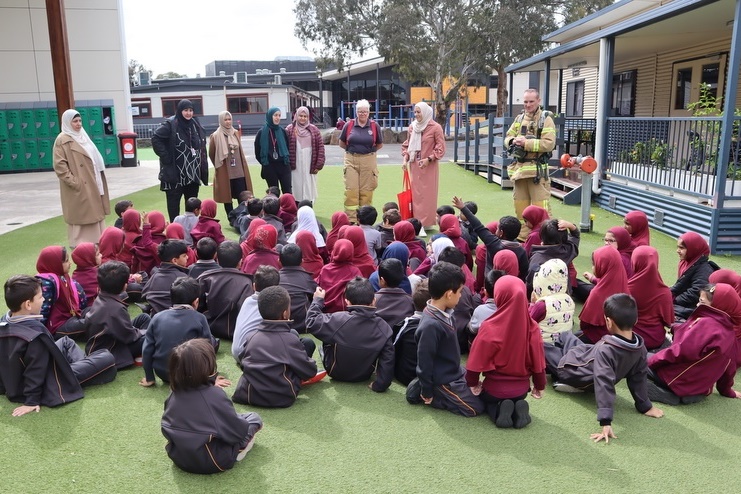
501 91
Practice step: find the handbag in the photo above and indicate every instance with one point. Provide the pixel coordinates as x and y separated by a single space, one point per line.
405 198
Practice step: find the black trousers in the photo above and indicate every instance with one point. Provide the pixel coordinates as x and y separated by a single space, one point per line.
237 186
174 195
277 175
492 403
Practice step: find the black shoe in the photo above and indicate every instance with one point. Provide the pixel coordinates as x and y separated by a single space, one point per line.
413 392
504 419
689 400
522 414
658 394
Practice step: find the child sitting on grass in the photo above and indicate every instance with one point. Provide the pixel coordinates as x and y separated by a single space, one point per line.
366 217
206 254
439 380
621 354
64 298
274 359
190 218
172 327
393 304
86 257
356 341
204 433
173 256
405 346
552 307
34 369
208 225
390 218
120 208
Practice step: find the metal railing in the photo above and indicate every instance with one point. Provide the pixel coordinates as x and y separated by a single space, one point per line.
680 154
145 131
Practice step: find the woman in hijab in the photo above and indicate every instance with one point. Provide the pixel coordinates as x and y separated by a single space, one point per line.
271 150
653 297
534 216
636 222
361 256
692 273
263 253
339 219
306 151
311 260
231 175
288 210
82 184
64 298
422 153
608 267
334 276
180 143
508 350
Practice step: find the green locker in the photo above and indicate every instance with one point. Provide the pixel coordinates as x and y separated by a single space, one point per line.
5 161
3 125
46 153
53 122
13 119
94 124
41 117
111 151
17 155
85 115
28 124
32 154
100 144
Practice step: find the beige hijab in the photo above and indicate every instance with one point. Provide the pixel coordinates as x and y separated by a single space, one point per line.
415 140
224 137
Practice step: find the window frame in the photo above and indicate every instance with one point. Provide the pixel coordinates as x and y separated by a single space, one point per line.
196 100
248 95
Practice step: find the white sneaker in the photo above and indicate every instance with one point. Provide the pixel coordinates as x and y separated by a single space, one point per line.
422 232
247 448
565 388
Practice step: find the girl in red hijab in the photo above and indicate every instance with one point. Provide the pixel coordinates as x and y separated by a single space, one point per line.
339 219
404 233
451 228
157 223
87 258
249 242
208 225
64 298
508 350
727 276
608 268
361 257
335 275
617 238
288 210
112 244
311 259
534 216
636 223
506 260
693 273
132 221
175 231
653 297
263 253
480 260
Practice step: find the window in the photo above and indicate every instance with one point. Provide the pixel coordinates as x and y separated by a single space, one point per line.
624 94
243 103
575 99
141 108
170 106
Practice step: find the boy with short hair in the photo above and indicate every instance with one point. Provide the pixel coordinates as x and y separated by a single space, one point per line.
405 346
463 310
224 290
393 304
254 210
108 323
483 311
577 366
356 341
120 208
270 210
274 359
440 378
367 215
173 256
390 218
299 283
190 218
206 254
172 327
241 208
34 369
248 318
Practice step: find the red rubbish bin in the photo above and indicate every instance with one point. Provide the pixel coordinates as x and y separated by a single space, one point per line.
127 142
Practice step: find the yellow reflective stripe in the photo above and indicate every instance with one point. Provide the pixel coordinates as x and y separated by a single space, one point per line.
528 168
536 145
548 129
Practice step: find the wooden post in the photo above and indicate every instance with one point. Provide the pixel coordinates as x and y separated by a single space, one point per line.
60 55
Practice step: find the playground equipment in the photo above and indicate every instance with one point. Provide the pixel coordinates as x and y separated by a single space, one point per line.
587 165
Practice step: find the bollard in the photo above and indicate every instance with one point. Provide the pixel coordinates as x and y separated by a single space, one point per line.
587 165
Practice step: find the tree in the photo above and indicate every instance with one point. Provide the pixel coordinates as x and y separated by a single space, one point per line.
170 75
135 68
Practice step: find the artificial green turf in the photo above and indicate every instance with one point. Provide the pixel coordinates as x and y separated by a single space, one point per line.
342 437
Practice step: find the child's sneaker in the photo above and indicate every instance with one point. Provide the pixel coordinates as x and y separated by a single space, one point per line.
504 418
247 448
318 377
566 388
522 414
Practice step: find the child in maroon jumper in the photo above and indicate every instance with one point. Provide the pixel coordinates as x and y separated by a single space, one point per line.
64 298
654 299
208 225
335 275
608 267
86 257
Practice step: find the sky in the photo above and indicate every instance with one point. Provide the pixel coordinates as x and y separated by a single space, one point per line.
184 35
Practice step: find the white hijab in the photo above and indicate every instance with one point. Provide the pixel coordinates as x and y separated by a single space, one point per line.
86 143
306 220
415 140
439 245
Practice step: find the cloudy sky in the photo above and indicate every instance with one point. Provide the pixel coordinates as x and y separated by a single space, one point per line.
184 35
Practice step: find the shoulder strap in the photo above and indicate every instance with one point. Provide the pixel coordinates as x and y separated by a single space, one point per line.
541 121
348 126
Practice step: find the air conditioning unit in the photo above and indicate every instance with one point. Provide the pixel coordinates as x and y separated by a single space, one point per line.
277 80
240 77
144 78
